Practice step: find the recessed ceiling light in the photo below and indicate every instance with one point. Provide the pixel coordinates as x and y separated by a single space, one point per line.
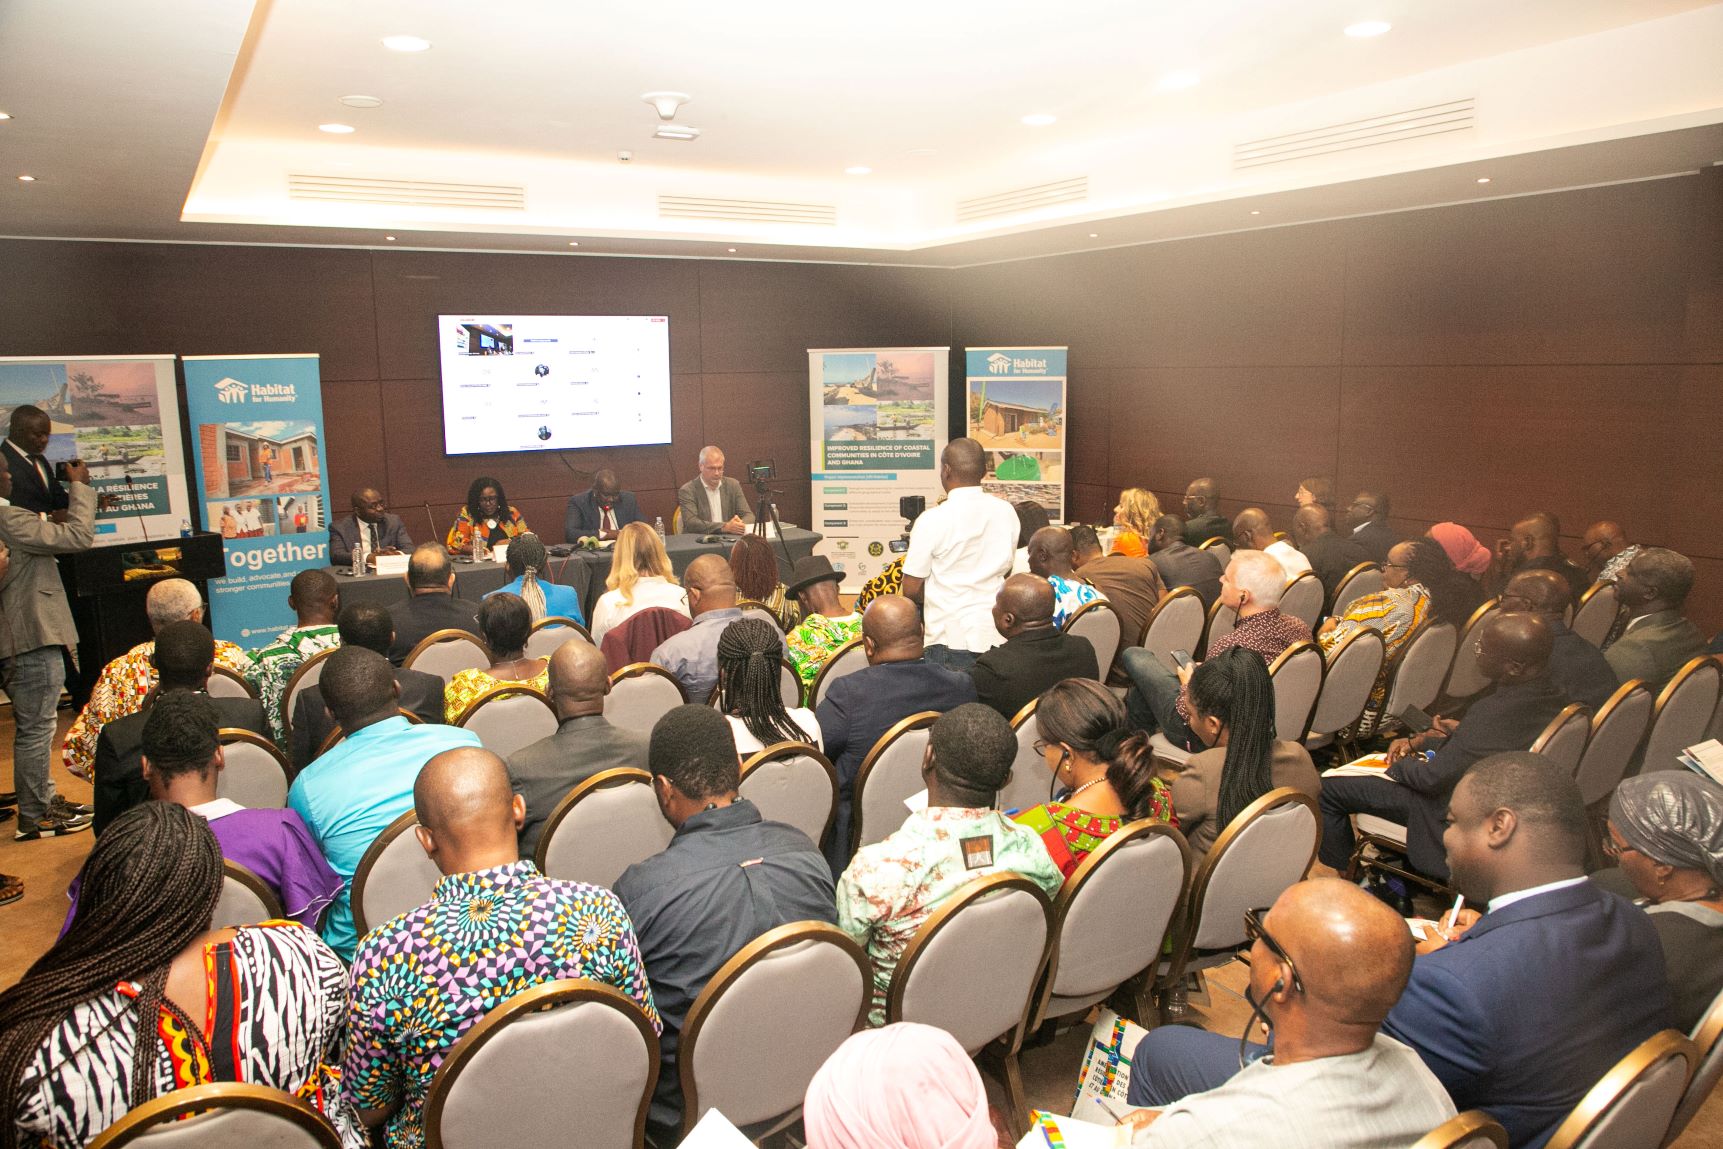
390 238
730 249
28 179
1365 29
1094 235
337 129
1483 179
920 153
1255 212
405 43
676 132
858 170
1040 119
1180 80
362 101
5 115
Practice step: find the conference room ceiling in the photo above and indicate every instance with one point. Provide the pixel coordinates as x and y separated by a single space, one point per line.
199 120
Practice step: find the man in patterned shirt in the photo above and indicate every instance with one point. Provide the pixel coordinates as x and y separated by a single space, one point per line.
1050 555
315 599
1251 584
123 683
824 627
494 928
891 887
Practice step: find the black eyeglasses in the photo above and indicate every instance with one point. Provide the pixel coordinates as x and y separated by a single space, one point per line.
1396 566
1612 850
1254 929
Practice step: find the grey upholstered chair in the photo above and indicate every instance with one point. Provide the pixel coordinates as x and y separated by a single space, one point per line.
1563 740
601 827
1683 713
641 694
1423 665
255 771
1302 599
1296 673
1464 678
793 783
1363 579
245 899
509 717
1352 669
1707 1038
445 653
1617 730
228 1113
309 674
1098 622
890 773
550 632
1635 1103
847 659
1595 616
394 876
1472 1129
1176 623
224 683
1030 783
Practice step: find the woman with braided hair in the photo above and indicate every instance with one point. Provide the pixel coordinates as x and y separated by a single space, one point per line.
1103 768
749 693
1232 712
527 562
260 1004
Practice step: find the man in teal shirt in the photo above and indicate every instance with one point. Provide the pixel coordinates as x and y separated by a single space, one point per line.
351 794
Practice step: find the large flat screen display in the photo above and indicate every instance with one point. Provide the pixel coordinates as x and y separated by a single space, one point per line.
554 382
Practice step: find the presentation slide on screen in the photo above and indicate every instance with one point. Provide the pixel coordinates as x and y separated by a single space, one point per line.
554 382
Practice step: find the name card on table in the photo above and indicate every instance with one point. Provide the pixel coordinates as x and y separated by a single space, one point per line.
392 564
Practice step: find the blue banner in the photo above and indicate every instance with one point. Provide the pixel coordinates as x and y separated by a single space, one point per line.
257 442
1015 400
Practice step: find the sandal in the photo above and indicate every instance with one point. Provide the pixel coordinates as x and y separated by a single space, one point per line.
11 889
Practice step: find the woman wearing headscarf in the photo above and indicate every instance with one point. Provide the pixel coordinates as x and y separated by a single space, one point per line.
1464 550
1666 834
903 1086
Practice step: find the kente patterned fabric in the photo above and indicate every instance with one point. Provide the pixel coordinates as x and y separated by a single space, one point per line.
1071 835
468 686
120 691
273 666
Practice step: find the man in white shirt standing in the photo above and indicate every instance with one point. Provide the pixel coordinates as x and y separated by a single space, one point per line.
959 554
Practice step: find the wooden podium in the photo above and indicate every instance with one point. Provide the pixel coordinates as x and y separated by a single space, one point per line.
107 586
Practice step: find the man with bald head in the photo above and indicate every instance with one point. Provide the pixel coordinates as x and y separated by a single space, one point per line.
1513 653
959 553
1535 544
431 603
858 708
495 927
1253 531
1329 555
1035 654
692 656
1578 670
1607 551
1050 555
585 742
1203 520
1327 964
369 531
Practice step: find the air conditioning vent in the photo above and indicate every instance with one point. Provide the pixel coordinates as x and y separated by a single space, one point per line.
406 193
1023 199
746 210
1389 128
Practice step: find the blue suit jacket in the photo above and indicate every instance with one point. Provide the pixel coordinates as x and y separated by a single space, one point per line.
581 518
1533 1004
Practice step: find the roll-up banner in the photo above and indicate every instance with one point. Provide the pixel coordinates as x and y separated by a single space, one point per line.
1015 400
120 414
877 425
257 438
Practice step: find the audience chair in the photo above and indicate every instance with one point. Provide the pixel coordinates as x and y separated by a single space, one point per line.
1352 669
767 1021
1420 666
1002 924
1464 679
847 659
245 899
754 608
220 1115
569 1062
1363 579
256 770
1596 614
224 683
641 694
1176 623
1099 623
1617 730
1113 918
1303 598
1634 1105
1683 712
1267 848
445 653
1707 1038
1563 740
1222 620
1297 674
336 733
550 632
309 673
1219 548
509 717
793 783
1030 783
602 827
889 774
394 876
1472 1129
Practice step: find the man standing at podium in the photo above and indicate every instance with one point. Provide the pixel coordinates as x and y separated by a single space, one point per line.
35 626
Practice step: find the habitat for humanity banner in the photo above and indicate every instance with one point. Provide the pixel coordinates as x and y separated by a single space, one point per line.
876 430
257 435
1016 403
120 415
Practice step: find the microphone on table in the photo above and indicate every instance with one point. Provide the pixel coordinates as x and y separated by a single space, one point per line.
430 520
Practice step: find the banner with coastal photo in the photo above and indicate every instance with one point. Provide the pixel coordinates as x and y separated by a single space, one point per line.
877 424
120 414
1015 403
257 440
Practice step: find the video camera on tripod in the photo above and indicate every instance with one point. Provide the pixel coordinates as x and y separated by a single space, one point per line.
911 508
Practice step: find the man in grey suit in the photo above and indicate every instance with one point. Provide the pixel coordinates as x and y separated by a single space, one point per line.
1180 563
1657 641
712 502
35 623
584 744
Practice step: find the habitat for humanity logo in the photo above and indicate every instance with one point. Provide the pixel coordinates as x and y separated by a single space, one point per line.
998 364
233 391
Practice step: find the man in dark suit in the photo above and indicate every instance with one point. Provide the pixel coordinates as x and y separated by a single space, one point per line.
1035 654
34 486
184 658
585 742
365 624
860 707
602 511
713 503
1203 520
433 604
1368 517
1180 563
1657 640
1330 555
1578 670
368 527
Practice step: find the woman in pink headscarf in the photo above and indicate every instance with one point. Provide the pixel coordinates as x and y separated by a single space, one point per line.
1463 548
904 1086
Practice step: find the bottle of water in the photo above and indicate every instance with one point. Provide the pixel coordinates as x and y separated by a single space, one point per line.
478 547
658 525
358 567
185 528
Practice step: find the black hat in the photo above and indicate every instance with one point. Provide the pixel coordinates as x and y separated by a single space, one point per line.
813 569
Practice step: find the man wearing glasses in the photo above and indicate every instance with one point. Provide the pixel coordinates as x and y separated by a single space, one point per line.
369 530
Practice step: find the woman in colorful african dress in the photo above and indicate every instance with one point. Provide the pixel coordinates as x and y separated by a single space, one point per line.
506 621
488 514
1104 769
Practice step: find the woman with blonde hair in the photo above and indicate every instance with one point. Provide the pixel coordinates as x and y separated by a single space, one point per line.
1135 517
640 577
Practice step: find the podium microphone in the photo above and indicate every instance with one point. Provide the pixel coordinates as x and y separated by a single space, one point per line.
430 520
